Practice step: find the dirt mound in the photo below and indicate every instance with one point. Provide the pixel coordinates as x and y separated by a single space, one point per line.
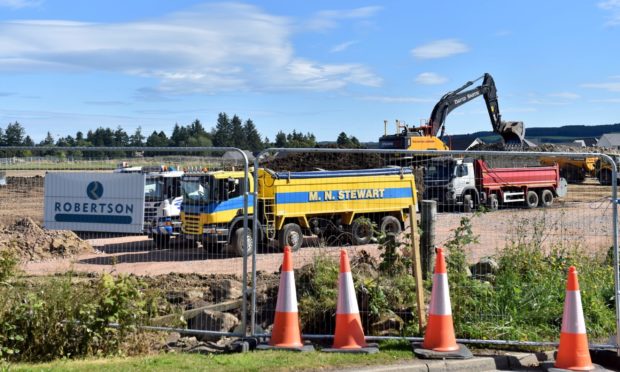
36 181
302 162
32 243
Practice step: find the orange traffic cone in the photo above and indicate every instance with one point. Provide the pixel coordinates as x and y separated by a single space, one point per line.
286 333
439 339
573 353
349 335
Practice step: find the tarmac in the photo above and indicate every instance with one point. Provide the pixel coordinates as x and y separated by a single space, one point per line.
504 361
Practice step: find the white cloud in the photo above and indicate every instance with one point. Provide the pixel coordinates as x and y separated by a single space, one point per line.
430 78
388 99
18 4
565 95
439 49
209 48
328 19
343 46
613 86
613 7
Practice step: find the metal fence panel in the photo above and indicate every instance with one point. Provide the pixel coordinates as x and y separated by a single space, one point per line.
168 250
510 235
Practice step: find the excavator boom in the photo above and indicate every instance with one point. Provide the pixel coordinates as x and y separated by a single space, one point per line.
512 132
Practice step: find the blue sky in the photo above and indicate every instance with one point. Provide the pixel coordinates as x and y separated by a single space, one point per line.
320 66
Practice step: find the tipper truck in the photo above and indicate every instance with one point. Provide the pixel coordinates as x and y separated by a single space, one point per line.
469 183
291 205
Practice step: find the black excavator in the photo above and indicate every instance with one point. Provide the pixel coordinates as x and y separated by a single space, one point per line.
425 136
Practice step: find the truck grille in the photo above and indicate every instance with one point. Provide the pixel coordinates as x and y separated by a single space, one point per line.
191 224
149 214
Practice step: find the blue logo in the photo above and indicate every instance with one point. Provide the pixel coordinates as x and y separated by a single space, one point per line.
94 190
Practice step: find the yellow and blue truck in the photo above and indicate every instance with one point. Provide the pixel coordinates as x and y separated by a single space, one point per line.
291 205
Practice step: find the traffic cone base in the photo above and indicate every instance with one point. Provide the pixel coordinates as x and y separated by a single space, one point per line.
287 335
349 334
439 339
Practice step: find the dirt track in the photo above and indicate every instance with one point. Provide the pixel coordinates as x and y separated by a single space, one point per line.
587 224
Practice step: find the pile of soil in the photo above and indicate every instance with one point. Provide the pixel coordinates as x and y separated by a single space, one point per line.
32 243
28 182
303 162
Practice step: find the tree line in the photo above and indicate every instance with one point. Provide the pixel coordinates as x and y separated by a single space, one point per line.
227 132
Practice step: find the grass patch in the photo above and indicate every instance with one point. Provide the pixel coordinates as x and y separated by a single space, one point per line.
254 361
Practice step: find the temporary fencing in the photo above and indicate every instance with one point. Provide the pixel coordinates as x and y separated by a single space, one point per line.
510 223
510 229
99 194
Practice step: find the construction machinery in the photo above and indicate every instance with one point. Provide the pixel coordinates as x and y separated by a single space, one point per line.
428 136
292 205
573 169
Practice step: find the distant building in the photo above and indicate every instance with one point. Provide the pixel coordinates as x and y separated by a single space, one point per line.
609 140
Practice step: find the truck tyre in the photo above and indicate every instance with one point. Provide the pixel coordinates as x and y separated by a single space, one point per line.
361 232
291 236
604 177
390 225
237 242
468 204
546 198
531 200
493 202
161 241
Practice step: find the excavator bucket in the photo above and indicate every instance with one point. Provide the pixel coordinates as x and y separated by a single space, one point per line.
512 132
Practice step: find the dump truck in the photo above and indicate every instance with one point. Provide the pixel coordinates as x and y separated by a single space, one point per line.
291 205
573 169
469 183
603 170
162 201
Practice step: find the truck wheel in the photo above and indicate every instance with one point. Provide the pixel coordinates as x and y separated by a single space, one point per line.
468 204
291 236
361 232
161 241
532 199
546 198
390 225
605 177
493 202
237 242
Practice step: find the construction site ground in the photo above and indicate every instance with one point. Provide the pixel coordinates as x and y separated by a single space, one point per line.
583 217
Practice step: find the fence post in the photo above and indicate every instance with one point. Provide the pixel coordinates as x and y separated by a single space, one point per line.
427 241
417 266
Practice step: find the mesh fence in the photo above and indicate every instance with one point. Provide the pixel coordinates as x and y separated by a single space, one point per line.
511 225
140 212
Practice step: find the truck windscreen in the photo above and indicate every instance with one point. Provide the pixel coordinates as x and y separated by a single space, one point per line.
153 189
195 191
439 171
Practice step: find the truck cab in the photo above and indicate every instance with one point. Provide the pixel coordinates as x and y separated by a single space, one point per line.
450 182
162 200
212 208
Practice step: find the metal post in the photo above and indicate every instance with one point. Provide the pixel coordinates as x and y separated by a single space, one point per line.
417 266
428 218
255 232
244 303
614 197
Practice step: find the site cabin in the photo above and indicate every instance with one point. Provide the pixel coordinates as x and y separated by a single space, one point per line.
469 183
292 205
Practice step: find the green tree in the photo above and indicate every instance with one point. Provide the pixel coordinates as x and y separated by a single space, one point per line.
157 139
253 141
238 136
222 136
14 134
137 138
280 140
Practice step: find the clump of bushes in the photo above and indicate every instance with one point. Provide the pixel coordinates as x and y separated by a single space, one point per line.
47 318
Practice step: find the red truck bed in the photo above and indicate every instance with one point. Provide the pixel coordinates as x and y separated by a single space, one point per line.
529 177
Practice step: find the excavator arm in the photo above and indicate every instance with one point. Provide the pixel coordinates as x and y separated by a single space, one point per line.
512 132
